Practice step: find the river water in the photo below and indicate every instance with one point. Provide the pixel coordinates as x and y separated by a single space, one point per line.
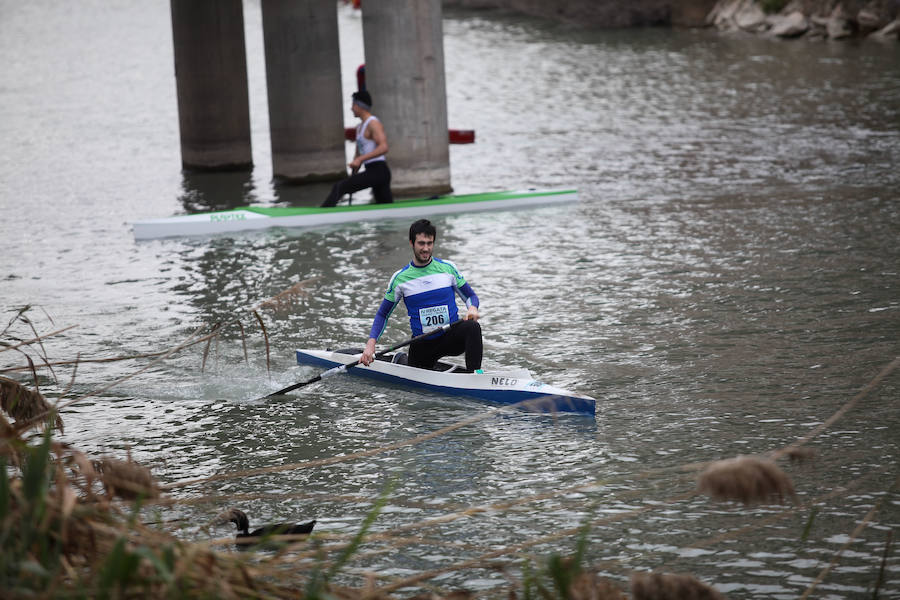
728 281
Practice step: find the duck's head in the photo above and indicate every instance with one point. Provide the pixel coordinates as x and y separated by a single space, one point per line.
233 515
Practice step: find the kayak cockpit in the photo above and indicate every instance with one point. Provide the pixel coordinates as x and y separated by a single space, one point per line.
401 358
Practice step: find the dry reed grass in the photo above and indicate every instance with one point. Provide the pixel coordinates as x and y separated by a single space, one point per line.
747 479
126 479
61 540
455 595
23 404
800 454
590 586
669 586
286 299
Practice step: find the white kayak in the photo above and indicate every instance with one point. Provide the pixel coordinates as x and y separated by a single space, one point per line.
264 217
512 386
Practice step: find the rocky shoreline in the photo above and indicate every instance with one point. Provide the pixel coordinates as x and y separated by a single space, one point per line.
808 19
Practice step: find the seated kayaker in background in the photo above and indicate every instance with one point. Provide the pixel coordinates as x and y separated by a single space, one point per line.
428 287
371 146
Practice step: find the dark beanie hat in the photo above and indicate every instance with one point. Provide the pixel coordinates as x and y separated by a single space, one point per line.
363 98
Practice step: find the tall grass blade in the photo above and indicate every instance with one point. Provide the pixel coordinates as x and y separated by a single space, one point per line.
809 524
265 337
884 558
117 571
12 321
316 588
36 473
43 351
357 540
244 343
4 490
215 329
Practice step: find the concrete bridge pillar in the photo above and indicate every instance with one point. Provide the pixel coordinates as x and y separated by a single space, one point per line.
303 79
211 81
404 50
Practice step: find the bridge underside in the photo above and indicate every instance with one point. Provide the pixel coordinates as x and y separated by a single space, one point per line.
404 73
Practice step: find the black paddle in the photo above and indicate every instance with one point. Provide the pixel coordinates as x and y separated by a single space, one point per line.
341 368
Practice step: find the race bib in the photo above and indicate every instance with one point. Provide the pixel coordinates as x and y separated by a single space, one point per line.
433 317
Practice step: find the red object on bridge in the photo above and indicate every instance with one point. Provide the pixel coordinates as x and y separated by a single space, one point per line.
457 136
361 77
462 136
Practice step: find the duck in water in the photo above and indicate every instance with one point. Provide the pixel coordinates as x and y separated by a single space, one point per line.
239 518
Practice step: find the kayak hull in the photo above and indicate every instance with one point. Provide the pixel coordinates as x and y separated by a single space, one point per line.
257 217
508 387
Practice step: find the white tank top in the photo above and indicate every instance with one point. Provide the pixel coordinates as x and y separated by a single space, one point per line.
363 144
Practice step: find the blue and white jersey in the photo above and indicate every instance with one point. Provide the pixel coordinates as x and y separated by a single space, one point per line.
429 294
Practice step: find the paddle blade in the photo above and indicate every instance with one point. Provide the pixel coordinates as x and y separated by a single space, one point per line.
319 377
334 371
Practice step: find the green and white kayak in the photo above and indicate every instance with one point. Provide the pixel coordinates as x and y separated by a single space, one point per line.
259 217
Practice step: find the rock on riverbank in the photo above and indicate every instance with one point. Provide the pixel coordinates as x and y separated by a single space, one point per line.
814 19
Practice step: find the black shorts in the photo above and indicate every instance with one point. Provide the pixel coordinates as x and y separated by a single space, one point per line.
375 175
464 337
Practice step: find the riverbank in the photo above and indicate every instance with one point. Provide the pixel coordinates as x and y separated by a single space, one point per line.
604 13
811 19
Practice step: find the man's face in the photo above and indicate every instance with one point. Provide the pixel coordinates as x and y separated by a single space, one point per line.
422 248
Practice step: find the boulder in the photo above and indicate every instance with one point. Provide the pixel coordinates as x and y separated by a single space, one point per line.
790 26
744 15
817 29
889 31
722 16
839 28
691 14
869 21
839 23
750 17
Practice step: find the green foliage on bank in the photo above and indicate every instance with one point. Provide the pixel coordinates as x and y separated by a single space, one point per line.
772 6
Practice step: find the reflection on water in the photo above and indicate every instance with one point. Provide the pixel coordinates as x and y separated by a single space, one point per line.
207 191
726 283
210 191
307 194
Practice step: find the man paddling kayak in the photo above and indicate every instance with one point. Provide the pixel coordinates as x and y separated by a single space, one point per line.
428 287
371 146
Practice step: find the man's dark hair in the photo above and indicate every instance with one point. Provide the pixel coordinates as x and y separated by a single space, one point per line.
422 226
363 97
